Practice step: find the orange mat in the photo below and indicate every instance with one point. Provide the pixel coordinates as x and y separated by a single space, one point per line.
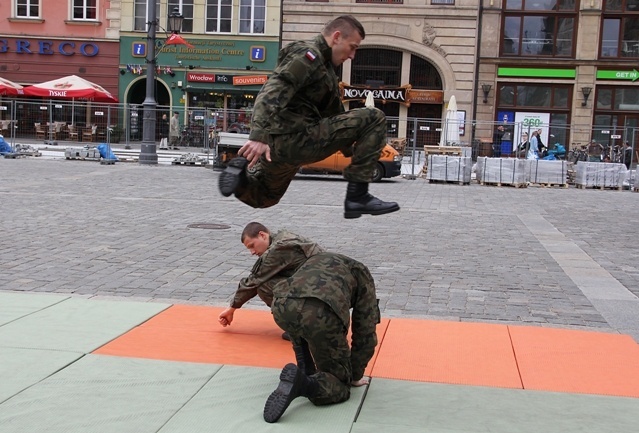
577 361
419 350
193 334
448 352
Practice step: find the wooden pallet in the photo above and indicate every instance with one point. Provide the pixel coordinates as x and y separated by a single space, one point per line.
612 188
202 163
442 150
79 158
14 155
513 185
457 182
550 185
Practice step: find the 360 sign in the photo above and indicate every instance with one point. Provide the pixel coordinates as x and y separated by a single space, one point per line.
532 122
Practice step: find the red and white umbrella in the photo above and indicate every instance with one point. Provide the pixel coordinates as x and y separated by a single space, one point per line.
9 88
71 87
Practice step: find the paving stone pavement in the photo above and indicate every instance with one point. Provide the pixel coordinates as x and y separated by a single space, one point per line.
469 253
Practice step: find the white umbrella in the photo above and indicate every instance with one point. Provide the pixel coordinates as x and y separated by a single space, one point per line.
70 87
370 102
450 131
9 88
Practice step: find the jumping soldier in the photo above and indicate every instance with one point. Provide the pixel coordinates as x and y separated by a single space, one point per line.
298 118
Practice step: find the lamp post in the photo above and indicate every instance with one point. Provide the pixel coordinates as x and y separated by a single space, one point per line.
148 150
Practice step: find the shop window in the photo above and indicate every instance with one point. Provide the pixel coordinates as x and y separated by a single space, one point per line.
141 14
544 28
626 99
423 74
376 67
620 29
603 101
27 8
186 9
85 10
252 16
535 96
218 16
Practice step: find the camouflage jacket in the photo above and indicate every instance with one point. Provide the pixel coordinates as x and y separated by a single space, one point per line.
286 252
302 90
343 284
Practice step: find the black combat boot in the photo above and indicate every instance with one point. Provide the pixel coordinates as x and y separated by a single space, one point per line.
293 383
233 176
304 358
359 201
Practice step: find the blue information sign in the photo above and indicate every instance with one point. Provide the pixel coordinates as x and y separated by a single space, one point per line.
139 49
258 53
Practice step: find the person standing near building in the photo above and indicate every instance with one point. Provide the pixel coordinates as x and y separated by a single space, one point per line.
627 154
542 149
299 118
164 132
498 136
174 131
533 146
314 307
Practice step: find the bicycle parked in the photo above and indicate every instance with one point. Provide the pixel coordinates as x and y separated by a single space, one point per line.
579 153
186 137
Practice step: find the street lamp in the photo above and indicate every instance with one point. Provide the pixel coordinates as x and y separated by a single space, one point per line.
148 151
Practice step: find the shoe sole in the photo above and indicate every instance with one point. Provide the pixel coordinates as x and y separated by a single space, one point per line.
281 398
230 177
357 214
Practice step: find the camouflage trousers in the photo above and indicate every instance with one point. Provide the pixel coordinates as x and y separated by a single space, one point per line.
314 321
360 132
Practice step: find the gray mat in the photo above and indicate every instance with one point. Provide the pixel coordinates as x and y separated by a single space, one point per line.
397 406
22 368
76 325
233 401
105 394
16 305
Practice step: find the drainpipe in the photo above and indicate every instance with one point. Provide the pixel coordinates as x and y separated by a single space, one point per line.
480 11
281 22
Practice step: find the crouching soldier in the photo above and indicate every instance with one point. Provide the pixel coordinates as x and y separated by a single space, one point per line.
313 307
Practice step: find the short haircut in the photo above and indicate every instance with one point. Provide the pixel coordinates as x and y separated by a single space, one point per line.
253 229
345 24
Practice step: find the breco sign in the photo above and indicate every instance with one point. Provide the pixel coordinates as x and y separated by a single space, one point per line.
48 48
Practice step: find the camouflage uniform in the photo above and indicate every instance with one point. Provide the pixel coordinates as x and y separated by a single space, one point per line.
286 252
300 115
314 304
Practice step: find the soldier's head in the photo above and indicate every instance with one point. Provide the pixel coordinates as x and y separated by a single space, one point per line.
256 238
344 35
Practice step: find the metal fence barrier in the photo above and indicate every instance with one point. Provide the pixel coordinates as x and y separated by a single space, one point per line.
82 122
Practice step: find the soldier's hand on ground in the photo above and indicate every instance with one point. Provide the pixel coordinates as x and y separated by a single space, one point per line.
253 150
363 381
226 317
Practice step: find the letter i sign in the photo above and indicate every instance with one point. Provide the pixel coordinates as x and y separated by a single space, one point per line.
258 53
138 49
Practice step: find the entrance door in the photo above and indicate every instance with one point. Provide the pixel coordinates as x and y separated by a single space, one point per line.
428 125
